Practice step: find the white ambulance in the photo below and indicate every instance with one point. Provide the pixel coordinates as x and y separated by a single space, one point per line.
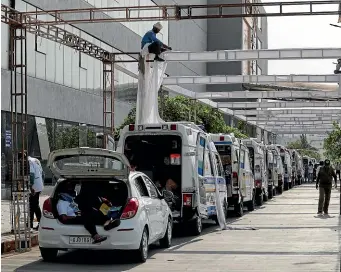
180 156
287 165
259 169
271 163
238 174
278 168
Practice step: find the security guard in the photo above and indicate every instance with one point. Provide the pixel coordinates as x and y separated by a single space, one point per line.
324 179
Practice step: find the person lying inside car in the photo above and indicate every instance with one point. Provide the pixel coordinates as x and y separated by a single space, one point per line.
73 209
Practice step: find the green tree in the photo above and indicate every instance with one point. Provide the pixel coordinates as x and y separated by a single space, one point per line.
180 108
332 144
304 148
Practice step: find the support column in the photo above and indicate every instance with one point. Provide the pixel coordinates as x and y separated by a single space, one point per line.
19 168
108 100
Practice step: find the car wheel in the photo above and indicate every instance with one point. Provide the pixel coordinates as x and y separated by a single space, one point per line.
196 226
259 200
239 208
49 254
166 241
142 252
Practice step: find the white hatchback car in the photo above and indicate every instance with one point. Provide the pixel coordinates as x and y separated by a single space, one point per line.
144 215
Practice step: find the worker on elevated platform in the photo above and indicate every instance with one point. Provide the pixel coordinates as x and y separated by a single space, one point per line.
151 44
338 67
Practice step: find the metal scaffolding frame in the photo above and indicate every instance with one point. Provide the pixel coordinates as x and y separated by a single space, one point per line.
181 12
19 210
235 79
279 105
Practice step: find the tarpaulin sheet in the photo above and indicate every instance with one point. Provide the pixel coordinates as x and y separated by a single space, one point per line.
149 82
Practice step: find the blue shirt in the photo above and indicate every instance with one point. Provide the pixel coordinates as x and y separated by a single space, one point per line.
149 37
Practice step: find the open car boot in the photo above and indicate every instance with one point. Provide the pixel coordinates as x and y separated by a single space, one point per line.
98 239
111 224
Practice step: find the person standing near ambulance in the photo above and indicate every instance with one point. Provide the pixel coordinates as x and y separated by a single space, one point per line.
324 184
36 186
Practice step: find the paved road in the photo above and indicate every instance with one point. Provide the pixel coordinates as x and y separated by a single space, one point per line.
289 236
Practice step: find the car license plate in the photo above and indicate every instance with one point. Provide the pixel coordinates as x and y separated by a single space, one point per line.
80 240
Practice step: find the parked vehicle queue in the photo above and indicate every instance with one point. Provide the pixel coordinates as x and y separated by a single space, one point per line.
159 175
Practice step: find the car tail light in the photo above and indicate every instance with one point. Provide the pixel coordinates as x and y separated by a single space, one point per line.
47 209
130 209
221 138
235 178
131 127
173 127
258 183
187 200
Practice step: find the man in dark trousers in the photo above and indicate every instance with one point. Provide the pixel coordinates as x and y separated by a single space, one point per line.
324 183
152 44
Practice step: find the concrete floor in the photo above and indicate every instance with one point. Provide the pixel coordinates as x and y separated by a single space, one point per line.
289 236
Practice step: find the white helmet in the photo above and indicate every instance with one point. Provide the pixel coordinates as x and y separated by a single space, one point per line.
158 26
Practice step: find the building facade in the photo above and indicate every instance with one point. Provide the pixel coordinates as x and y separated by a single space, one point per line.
65 86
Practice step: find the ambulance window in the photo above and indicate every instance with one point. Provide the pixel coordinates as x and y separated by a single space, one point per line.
247 162
201 155
242 155
208 168
220 171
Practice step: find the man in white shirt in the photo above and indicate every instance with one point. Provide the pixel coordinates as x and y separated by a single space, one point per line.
37 186
310 172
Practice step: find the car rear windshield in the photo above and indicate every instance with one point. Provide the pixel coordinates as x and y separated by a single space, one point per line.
87 161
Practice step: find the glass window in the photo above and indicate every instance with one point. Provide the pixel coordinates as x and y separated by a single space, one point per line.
247 162
141 187
151 187
219 166
208 168
42 136
51 61
40 65
31 55
242 156
67 66
259 44
4 45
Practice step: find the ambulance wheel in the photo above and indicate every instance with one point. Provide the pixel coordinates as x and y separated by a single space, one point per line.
259 200
274 193
270 194
251 205
196 226
265 196
239 208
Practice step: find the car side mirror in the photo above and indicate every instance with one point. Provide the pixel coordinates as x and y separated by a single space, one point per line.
161 195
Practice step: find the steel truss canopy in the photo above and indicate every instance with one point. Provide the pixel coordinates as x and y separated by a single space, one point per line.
235 79
302 131
267 112
271 94
284 116
289 123
299 119
62 36
294 104
183 12
260 54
